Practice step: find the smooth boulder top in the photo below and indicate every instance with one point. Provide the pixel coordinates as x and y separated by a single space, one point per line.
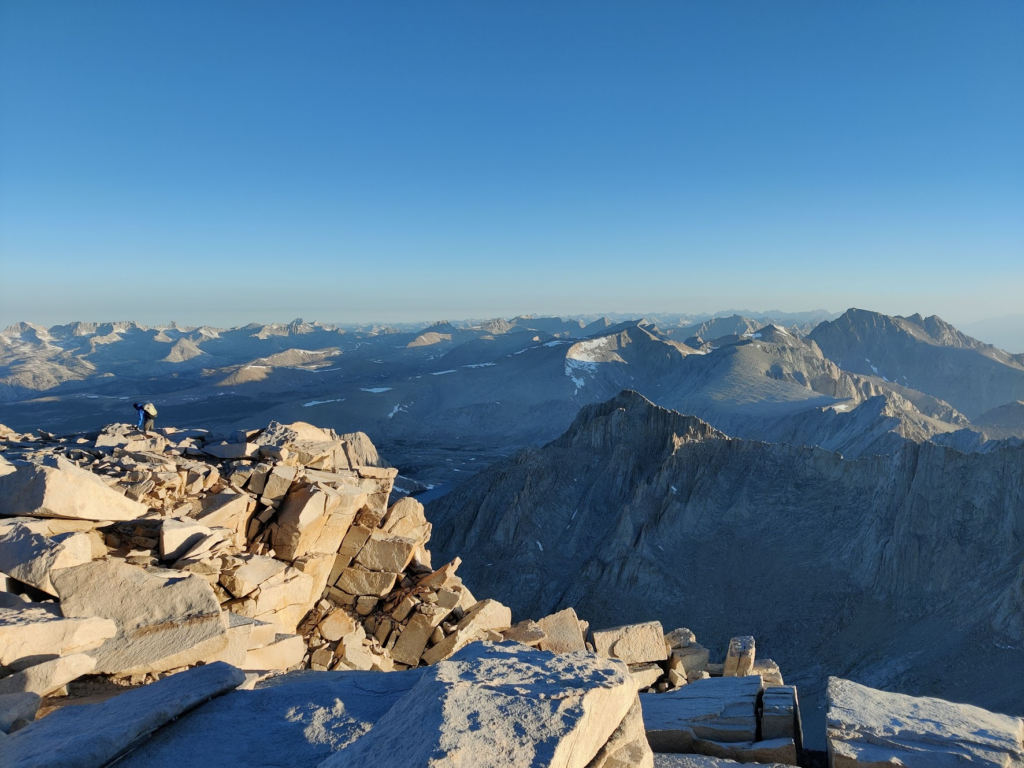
871 727
500 705
489 705
712 708
91 735
297 719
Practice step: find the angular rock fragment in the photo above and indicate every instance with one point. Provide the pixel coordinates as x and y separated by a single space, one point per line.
680 638
284 599
64 490
336 625
632 643
486 614
451 644
178 536
31 558
284 653
255 570
31 633
691 662
277 483
382 552
768 671
645 675
226 510
780 714
48 676
416 634
526 632
739 660
355 581
311 520
563 634
232 450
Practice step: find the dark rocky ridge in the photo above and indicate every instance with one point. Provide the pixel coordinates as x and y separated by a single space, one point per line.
903 571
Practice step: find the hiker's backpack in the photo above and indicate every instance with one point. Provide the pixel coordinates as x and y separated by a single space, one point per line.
150 410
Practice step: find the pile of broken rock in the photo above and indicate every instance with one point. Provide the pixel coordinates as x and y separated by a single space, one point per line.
190 573
273 550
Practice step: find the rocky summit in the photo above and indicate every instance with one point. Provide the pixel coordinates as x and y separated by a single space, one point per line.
266 598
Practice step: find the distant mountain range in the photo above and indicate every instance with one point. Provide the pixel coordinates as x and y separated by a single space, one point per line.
438 396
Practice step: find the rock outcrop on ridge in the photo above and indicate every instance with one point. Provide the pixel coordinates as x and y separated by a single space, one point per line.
638 510
273 549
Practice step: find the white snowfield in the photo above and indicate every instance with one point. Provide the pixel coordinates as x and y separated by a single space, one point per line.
588 351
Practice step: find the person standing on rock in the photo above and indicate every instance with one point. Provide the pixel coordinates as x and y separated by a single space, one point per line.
147 415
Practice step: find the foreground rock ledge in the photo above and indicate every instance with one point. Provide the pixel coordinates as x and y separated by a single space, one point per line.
874 729
489 706
94 734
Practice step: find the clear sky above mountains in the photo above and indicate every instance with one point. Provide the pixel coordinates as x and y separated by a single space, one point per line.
227 162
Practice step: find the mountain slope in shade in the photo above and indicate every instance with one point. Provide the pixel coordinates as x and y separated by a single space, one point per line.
1003 422
903 571
926 354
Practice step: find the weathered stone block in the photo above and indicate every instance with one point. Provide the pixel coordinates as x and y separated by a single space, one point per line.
632 643
563 634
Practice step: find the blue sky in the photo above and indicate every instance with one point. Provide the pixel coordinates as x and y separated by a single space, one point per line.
227 162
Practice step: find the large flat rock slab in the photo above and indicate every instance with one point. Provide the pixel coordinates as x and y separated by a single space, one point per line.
489 705
295 720
876 729
718 709
504 705
703 761
165 619
64 490
91 735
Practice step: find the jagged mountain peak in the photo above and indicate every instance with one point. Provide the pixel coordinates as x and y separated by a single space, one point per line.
629 417
932 329
923 353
